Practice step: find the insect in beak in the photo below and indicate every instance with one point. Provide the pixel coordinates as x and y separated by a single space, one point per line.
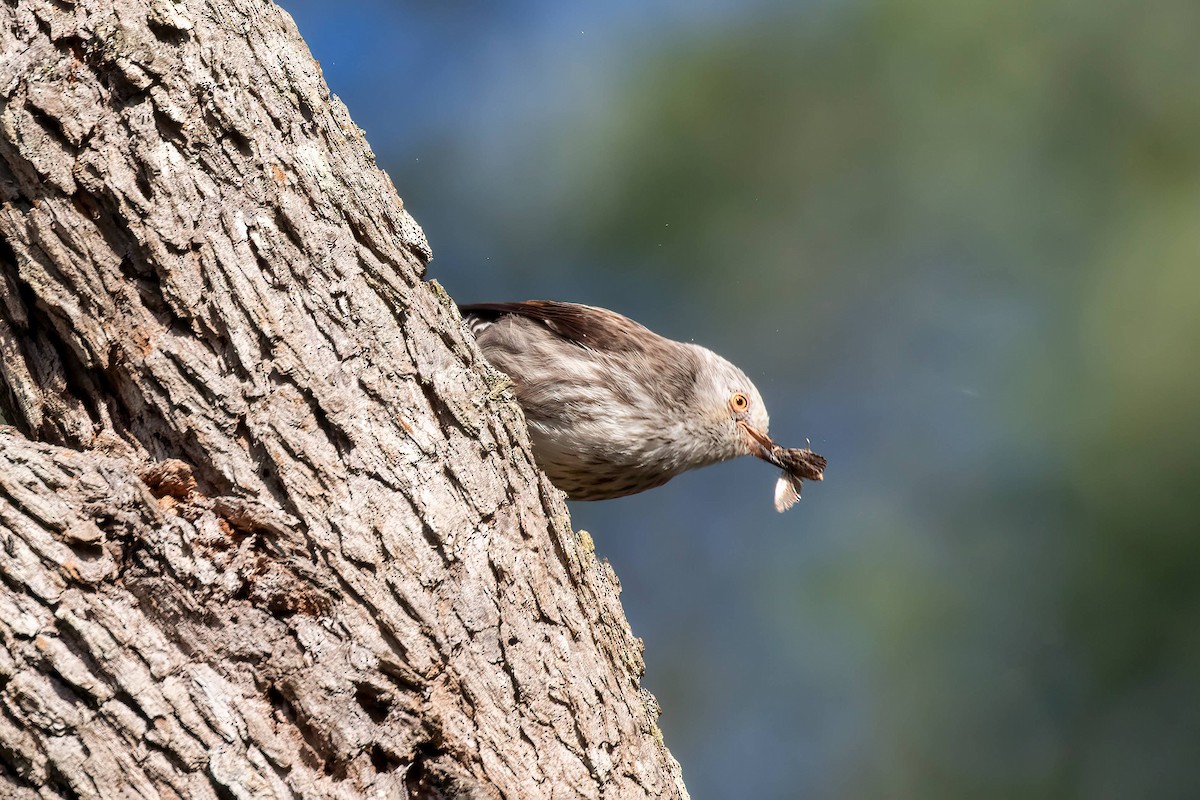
798 464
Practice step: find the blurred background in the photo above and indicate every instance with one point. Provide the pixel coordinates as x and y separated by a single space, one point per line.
957 245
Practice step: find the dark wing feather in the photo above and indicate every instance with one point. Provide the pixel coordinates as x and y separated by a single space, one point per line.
586 326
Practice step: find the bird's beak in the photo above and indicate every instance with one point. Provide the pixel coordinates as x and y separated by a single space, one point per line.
762 445
799 462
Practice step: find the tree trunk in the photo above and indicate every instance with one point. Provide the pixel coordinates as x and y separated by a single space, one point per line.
269 527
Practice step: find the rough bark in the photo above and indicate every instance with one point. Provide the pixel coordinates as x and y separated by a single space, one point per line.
268 526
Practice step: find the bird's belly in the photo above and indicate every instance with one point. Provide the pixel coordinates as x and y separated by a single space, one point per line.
585 474
596 482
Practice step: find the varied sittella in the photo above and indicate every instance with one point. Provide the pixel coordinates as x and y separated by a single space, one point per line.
615 409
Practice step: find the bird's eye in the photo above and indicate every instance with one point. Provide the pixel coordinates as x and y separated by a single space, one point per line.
739 402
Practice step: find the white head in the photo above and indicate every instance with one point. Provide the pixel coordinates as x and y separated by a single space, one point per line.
735 422
732 418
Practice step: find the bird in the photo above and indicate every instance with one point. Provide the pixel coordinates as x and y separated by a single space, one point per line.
614 409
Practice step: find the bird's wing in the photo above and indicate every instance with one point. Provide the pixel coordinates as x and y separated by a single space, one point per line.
586 326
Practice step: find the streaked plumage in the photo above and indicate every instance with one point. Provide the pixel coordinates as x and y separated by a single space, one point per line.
615 409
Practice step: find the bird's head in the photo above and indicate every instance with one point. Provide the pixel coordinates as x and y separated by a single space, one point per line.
736 423
733 411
